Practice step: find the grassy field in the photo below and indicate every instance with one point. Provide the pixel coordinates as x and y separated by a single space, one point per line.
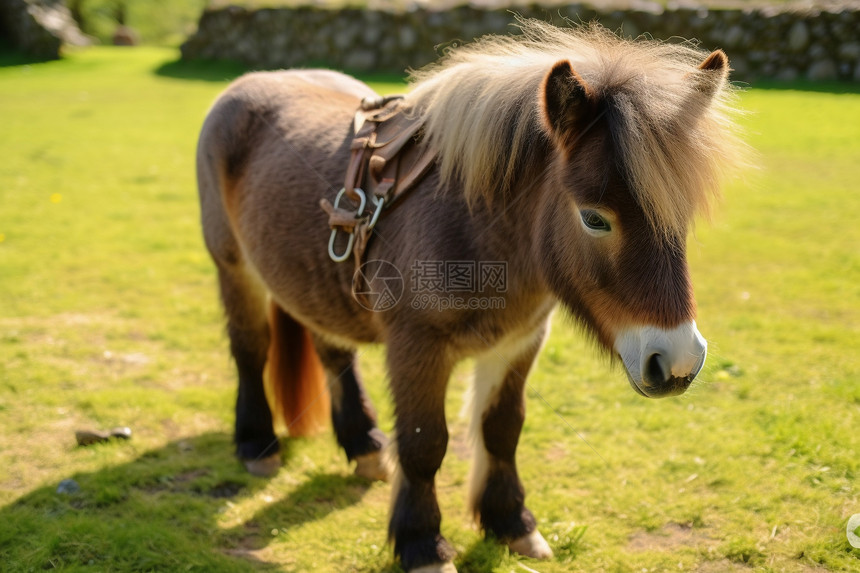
109 316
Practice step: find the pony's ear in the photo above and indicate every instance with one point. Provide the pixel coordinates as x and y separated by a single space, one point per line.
566 101
716 71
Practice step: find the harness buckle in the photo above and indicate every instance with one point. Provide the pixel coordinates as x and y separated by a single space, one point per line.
339 258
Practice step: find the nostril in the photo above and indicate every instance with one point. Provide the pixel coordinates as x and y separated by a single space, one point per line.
656 372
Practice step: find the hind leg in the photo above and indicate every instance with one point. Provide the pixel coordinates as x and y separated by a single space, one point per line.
498 411
352 413
245 306
247 326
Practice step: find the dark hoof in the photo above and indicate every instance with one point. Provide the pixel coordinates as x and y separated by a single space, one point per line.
264 467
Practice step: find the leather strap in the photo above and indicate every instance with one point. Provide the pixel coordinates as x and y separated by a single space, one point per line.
386 162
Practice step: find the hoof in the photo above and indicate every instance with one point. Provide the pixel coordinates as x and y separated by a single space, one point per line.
370 466
264 467
532 545
438 568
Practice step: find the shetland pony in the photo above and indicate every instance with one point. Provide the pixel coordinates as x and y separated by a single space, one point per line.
574 159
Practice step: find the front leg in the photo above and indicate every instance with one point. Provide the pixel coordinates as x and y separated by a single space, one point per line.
419 377
498 412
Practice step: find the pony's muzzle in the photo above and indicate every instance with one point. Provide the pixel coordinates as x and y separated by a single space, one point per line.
661 362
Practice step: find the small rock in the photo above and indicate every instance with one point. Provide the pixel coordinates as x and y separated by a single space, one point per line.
407 37
68 487
372 33
344 41
89 437
359 60
850 51
818 52
121 432
822 70
740 67
786 74
734 37
798 37
125 36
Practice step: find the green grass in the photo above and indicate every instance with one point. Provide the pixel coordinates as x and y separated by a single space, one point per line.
109 316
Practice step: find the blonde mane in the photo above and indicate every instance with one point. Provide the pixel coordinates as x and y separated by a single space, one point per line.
481 104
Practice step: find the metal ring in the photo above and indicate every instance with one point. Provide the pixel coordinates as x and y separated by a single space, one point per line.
362 203
340 258
379 202
362 200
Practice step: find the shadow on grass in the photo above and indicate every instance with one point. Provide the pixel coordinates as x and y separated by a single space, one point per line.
161 511
202 70
10 58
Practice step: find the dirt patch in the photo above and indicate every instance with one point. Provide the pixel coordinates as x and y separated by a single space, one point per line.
177 483
190 475
557 452
670 536
225 489
252 548
256 556
252 545
720 566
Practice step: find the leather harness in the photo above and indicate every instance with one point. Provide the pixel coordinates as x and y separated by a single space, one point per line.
385 163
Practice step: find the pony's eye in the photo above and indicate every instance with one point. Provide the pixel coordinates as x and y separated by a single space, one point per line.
594 221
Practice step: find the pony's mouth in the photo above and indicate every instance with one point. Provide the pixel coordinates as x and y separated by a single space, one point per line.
635 385
675 386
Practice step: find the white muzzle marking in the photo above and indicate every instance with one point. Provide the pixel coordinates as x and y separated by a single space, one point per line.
661 362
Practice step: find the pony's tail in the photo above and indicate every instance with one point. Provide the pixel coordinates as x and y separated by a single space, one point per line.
295 383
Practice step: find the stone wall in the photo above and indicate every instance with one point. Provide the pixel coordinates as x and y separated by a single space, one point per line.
786 42
38 27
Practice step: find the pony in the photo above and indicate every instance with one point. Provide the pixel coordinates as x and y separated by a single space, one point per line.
573 160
